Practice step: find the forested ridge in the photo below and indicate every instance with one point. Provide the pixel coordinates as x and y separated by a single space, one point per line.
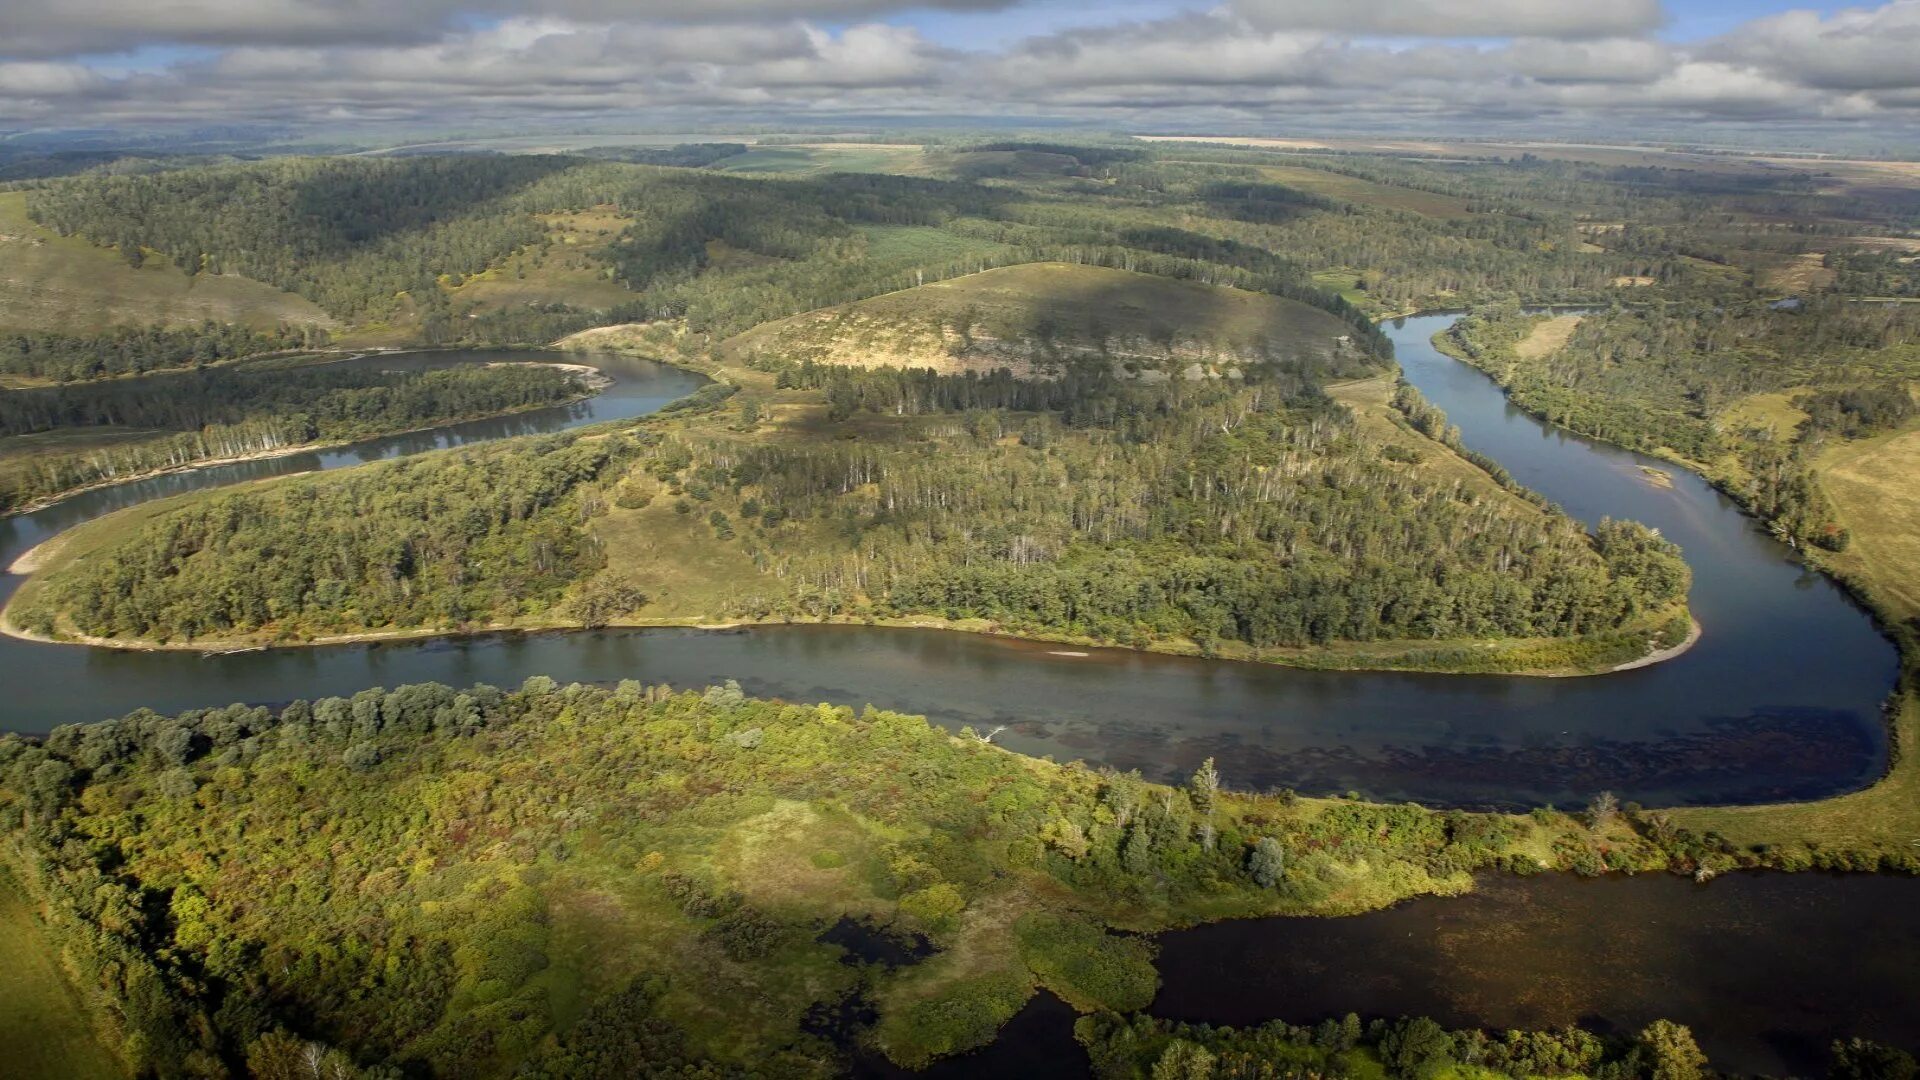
583 881
728 252
224 413
1675 377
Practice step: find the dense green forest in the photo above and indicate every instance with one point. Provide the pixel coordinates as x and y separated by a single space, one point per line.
1680 378
225 413
135 350
432 540
580 881
1249 511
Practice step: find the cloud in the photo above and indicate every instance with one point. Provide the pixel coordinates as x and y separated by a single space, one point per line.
1242 64
46 28
1458 18
1854 49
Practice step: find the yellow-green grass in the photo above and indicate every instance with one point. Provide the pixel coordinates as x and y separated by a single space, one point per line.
998 318
54 282
815 158
1874 485
44 1025
1353 189
573 268
1547 337
1775 412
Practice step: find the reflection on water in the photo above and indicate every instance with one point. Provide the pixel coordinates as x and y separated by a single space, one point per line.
1767 969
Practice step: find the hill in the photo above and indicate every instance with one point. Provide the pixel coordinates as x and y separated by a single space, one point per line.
1036 317
54 282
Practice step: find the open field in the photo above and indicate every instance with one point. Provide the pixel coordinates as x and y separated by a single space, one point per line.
1040 313
43 1023
1547 337
1774 412
1371 193
1875 488
53 282
812 158
572 269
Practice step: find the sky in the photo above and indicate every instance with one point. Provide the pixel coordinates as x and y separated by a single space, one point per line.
1161 65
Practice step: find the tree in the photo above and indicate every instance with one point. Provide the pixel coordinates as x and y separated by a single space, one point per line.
1268 863
1671 1052
1204 787
1184 1060
1601 809
1863 1059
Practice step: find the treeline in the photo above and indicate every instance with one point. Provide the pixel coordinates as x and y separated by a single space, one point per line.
223 413
135 350
1672 378
416 881
1142 1047
437 540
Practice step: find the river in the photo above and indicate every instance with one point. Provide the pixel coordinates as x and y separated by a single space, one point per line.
1780 699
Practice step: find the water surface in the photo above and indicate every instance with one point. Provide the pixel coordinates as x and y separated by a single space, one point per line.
1780 700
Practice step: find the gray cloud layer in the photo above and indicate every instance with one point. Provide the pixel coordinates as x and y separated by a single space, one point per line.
1248 62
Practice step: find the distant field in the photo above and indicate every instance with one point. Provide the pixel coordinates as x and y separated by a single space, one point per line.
1021 315
51 282
43 1025
1354 189
904 159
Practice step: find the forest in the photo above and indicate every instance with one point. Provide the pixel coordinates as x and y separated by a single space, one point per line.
632 880
430 540
223 413
137 350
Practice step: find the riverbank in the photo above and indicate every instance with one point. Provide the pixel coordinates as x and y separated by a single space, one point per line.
1873 828
1518 658
592 386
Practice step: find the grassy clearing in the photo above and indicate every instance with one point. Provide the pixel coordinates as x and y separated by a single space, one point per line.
43 1023
53 282
1548 336
1035 313
1776 412
1874 485
815 158
571 269
1368 192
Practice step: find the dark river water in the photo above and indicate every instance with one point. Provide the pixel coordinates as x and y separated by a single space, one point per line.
1779 700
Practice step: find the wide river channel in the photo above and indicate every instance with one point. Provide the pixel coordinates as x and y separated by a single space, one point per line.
1780 699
